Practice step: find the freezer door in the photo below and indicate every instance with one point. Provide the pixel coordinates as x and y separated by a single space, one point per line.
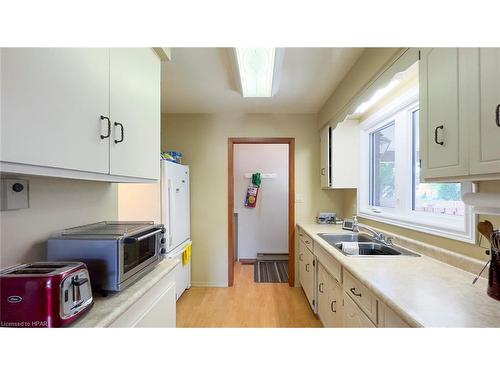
176 215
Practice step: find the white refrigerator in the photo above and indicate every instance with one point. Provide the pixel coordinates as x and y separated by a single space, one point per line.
176 218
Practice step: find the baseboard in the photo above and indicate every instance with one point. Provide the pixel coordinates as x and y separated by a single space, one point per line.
211 284
247 261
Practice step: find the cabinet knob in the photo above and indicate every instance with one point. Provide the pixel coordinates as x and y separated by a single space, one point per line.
436 135
109 127
122 132
307 267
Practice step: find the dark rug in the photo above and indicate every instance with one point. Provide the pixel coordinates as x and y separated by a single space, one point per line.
271 270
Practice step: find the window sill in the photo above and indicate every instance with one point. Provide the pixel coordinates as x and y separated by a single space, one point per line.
420 224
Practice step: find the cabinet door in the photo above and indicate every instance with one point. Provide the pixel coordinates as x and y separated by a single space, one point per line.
329 299
323 297
325 157
353 317
162 313
307 275
485 149
51 103
135 113
443 141
334 302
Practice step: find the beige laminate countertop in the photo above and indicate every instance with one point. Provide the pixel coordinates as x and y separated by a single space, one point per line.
423 291
107 309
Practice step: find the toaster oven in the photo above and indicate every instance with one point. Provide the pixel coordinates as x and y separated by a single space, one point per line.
116 253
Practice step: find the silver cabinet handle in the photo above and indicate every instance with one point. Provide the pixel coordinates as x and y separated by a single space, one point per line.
331 306
353 291
320 287
307 268
323 170
301 257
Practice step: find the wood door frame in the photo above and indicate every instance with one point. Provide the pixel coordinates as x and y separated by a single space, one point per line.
291 201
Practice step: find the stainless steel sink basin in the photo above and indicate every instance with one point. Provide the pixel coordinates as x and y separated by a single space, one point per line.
334 239
366 246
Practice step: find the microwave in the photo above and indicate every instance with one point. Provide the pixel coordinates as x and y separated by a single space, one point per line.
116 253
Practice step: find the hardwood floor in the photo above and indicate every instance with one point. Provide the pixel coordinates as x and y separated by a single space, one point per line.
246 304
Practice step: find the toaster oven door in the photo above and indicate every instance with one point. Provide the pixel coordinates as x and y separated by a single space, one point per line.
139 252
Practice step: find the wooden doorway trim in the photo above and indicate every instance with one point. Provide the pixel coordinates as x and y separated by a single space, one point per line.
291 201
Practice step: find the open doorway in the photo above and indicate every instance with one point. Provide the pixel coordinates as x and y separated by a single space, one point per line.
258 238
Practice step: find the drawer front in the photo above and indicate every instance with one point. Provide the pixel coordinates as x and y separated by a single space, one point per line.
304 237
363 297
353 317
331 265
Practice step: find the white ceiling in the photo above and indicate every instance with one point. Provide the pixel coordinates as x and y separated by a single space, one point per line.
201 80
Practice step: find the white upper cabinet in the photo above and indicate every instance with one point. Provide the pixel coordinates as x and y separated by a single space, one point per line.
63 111
324 171
340 156
51 103
443 135
135 112
485 148
459 114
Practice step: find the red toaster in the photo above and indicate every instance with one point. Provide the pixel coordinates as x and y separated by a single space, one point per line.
44 294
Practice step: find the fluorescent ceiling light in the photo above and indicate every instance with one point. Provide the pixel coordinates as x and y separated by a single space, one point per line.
256 70
379 94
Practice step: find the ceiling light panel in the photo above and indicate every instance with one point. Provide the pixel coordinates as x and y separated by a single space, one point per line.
256 70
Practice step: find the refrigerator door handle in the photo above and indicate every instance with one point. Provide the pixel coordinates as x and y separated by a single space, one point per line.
170 209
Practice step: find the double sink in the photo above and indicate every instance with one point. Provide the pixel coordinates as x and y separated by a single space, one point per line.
363 245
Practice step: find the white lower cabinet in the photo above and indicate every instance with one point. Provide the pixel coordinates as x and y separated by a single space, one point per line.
336 295
307 273
329 299
353 316
155 309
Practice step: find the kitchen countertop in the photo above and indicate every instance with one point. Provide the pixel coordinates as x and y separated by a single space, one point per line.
423 291
107 309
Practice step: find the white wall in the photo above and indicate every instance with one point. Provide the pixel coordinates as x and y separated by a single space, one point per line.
263 229
55 204
139 202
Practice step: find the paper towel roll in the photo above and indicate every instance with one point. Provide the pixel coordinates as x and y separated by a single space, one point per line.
491 200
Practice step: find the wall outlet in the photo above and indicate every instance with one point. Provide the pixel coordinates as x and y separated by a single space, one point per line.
14 194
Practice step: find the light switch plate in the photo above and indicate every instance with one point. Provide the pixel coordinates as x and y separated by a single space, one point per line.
14 194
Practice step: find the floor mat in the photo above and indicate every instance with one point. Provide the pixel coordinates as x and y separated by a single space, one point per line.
271 271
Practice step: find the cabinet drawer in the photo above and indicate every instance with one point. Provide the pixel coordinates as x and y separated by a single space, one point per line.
361 295
331 265
306 239
352 315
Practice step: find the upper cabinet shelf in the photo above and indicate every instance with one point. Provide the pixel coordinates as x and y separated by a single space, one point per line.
81 113
460 114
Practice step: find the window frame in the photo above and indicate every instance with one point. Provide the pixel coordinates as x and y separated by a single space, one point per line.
403 215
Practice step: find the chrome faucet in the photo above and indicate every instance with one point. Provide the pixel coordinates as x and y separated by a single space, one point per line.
377 236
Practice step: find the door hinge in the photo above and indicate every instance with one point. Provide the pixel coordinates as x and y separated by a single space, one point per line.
314 302
314 263
419 54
